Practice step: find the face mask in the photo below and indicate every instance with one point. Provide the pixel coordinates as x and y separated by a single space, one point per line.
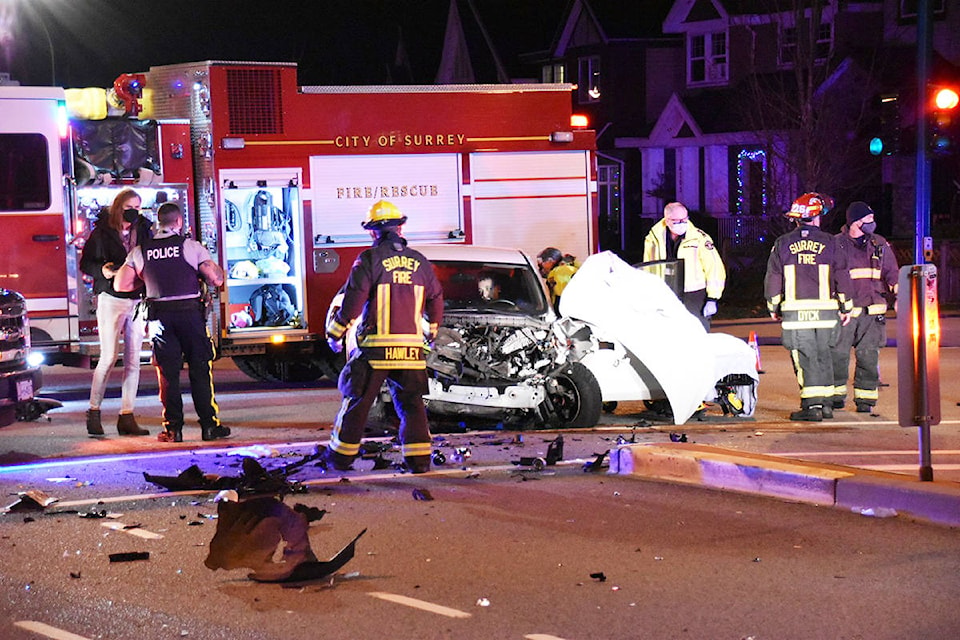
868 227
678 229
130 215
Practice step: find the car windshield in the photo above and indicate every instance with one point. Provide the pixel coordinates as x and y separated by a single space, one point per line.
490 286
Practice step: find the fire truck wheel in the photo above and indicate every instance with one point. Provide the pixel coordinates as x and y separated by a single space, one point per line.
250 366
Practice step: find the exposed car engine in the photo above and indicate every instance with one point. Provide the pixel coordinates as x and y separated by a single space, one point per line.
511 350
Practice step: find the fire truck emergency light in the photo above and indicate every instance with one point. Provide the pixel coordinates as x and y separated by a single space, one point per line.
579 121
233 143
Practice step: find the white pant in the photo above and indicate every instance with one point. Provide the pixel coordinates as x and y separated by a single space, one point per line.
115 319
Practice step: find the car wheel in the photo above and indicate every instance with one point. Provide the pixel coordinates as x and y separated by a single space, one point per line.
573 398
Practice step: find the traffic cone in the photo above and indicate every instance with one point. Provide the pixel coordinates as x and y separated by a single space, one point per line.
752 341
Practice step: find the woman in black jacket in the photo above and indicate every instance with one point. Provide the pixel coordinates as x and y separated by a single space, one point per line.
119 228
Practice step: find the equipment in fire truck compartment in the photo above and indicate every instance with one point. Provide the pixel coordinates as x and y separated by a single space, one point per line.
116 149
265 283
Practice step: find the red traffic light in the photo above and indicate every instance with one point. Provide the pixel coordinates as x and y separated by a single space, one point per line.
946 98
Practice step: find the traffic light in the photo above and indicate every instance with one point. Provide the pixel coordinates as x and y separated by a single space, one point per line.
943 121
887 142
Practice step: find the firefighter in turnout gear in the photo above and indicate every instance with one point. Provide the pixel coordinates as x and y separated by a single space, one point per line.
171 266
873 278
675 238
807 288
390 289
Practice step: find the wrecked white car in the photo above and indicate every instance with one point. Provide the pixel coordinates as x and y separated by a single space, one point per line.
503 354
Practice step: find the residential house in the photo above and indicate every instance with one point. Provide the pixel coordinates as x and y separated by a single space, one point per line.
625 71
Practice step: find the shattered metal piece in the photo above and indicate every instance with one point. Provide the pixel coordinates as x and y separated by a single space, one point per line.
422 494
381 463
597 463
439 458
599 576
678 437
249 532
531 461
129 556
93 515
555 451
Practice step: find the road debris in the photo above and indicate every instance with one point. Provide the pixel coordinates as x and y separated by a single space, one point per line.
422 494
32 500
595 465
248 535
129 556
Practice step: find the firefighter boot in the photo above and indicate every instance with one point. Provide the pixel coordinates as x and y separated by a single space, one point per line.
215 432
127 426
338 461
416 464
827 411
94 426
809 414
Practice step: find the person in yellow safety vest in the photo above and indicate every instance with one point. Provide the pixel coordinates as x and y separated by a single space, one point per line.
873 278
807 288
676 238
557 269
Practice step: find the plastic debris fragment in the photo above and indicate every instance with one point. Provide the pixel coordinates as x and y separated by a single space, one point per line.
678 437
32 500
422 494
129 556
595 465
483 602
249 533
876 512
599 576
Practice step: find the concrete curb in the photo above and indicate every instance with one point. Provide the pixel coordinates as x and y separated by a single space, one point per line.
794 480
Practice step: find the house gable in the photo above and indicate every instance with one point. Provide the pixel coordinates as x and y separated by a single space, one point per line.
674 122
580 30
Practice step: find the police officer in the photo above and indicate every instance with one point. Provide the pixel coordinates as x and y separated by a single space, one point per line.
873 278
676 238
806 286
557 269
171 266
390 288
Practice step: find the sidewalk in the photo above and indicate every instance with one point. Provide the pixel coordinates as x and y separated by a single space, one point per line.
860 490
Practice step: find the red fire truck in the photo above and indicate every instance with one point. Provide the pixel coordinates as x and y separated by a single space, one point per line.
276 179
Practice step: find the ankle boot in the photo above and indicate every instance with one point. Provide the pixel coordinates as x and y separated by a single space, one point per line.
127 426
94 427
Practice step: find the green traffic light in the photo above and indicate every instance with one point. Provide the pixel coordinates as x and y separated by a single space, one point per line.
876 146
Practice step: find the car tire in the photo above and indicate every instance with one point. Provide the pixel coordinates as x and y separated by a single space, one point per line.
573 400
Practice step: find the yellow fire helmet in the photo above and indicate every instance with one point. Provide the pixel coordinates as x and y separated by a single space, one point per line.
383 213
809 206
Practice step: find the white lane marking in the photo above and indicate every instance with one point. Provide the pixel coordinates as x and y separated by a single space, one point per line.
47 630
134 531
909 467
541 636
423 605
854 452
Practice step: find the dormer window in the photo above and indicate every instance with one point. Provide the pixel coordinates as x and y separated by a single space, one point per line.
707 58
553 72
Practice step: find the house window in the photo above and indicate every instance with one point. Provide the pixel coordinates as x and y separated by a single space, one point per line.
908 9
707 58
789 41
588 80
610 205
553 73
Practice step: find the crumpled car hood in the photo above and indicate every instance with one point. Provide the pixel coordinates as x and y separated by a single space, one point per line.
642 313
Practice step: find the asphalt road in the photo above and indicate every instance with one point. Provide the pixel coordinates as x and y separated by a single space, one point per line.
679 562
558 554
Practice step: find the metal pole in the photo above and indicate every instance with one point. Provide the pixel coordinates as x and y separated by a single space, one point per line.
924 55
921 389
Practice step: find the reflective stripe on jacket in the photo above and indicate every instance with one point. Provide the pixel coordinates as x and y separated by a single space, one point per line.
702 266
807 281
390 288
873 271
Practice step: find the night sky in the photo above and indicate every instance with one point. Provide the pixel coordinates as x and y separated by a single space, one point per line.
332 41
